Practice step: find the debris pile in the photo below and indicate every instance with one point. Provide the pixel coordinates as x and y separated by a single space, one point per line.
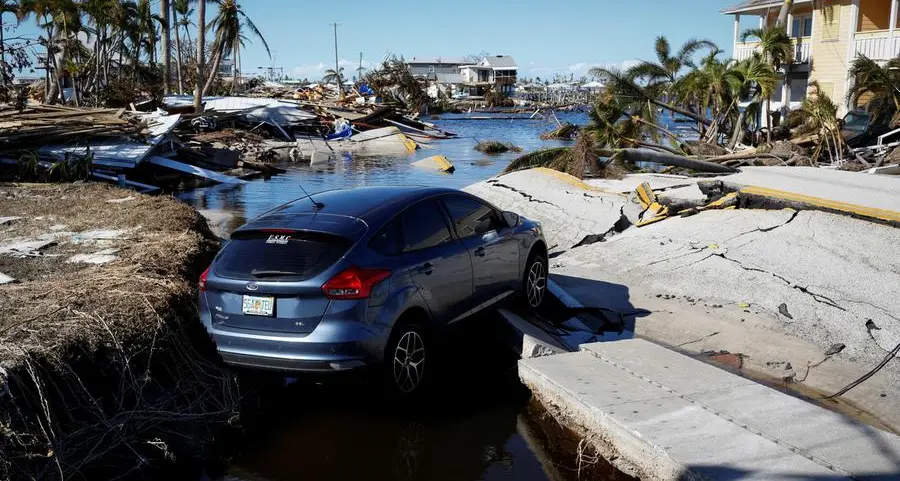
232 139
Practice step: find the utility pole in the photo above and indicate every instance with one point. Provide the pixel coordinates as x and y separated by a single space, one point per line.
337 68
359 71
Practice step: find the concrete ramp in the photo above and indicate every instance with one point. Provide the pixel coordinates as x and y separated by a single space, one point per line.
668 416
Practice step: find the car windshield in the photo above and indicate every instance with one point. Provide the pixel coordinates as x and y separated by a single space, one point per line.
856 121
289 255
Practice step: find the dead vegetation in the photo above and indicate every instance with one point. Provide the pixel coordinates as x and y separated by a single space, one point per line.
104 368
496 147
565 131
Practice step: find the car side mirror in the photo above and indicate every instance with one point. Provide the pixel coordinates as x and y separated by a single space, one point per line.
511 219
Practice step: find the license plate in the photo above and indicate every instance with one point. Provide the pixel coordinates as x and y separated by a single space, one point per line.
258 305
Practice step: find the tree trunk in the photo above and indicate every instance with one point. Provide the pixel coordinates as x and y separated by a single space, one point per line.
201 39
786 9
2 53
687 113
769 119
178 55
646 155
738 130
137 57
164 11
214 68
235 69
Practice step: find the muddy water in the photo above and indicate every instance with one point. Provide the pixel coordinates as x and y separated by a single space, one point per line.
472 426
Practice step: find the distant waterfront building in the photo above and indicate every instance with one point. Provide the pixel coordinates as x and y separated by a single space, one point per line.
462 78
827 36
497 71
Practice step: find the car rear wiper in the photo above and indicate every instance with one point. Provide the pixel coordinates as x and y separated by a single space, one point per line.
272 273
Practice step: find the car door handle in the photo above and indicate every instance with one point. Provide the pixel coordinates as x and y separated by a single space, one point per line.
426 269
480 252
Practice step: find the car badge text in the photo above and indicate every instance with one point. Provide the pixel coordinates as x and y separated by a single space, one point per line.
278 239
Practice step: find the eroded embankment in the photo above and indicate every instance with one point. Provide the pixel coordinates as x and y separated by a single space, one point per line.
104 371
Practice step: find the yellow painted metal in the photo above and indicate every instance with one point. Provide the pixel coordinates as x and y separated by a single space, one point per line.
409 143
645 195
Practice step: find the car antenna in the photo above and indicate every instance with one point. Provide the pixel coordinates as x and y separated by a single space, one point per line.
317 205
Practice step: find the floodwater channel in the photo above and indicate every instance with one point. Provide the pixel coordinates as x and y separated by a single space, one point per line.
476 424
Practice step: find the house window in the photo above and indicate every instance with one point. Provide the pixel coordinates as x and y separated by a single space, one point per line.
802 26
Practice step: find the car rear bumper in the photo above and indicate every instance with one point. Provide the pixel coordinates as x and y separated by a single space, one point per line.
357 347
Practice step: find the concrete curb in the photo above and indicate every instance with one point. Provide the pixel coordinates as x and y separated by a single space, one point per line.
622 447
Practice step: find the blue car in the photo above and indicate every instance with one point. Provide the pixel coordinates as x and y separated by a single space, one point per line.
344 279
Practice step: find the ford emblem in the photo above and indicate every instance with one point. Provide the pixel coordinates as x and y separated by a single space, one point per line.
252 286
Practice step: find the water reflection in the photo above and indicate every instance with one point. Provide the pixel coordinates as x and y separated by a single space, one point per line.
465 430
472 166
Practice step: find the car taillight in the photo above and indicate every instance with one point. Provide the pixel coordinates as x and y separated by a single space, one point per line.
202 282
354 283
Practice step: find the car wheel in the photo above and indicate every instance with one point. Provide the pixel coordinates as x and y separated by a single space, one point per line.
405 363
534 282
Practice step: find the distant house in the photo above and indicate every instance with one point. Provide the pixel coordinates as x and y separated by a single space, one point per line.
444 70
497 71
226 67
461 78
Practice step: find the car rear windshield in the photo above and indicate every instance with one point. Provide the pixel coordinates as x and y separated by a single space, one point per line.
294 256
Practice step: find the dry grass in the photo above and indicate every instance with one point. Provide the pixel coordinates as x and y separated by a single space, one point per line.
103 361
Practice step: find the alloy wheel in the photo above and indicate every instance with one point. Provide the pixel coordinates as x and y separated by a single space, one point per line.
409 361
536 284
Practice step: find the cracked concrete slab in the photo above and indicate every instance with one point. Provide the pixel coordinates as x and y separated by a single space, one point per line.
569 212
736 272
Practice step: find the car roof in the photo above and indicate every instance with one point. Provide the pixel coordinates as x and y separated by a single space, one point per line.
372 205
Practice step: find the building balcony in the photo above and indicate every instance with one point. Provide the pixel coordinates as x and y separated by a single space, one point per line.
745 50
879 45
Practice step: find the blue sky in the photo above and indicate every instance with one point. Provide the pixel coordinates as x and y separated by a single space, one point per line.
545 37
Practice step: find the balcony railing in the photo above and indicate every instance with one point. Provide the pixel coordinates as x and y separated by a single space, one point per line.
745 50
878 45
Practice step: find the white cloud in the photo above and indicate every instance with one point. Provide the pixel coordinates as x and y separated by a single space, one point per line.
315 71
576 68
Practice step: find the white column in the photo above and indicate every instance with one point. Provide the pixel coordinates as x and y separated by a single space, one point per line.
762 21
851 52
737 27
893 41
790 24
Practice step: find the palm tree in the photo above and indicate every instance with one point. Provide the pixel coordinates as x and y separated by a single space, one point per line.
881 83
61 19
229 26
757 82
6 6
777 49
182 8
164 12
663 75
336 77
201 45
821 117
146 23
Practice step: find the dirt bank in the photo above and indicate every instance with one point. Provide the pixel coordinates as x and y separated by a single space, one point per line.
104 371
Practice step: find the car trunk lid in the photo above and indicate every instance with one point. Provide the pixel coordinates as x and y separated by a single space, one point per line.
267 279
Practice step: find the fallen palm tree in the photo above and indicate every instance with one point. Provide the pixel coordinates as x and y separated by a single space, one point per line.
565 131
496 147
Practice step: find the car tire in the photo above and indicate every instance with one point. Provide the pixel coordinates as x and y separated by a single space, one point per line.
534 281
405 368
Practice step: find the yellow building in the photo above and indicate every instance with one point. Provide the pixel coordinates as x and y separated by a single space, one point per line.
827 35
